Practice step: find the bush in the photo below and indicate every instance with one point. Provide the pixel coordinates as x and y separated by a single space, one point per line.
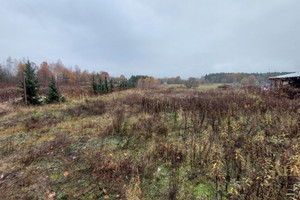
191 82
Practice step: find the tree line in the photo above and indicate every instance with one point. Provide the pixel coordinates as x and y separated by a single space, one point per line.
11 72
30 77
225 78
12 69
243 78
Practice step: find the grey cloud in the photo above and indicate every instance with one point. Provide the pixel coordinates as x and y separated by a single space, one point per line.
160 38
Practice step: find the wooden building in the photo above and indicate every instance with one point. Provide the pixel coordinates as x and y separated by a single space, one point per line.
292 79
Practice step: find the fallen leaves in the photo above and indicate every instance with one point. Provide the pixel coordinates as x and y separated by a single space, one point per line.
66 174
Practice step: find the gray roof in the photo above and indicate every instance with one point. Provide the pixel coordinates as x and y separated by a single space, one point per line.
292 75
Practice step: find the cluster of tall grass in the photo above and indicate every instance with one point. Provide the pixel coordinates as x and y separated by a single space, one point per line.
246 145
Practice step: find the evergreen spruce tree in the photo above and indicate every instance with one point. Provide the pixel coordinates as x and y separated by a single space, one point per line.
31 85
52 96
95 87
120 85
100 86
130 84
105 87
111 85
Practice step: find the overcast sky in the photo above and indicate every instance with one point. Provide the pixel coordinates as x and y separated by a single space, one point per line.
154 37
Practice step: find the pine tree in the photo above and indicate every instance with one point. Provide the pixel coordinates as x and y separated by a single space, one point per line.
111 85
31 85
52 96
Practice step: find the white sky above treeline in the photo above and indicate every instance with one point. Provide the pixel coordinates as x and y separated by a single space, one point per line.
162 38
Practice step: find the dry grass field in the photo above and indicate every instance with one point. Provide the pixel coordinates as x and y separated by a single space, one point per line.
163 143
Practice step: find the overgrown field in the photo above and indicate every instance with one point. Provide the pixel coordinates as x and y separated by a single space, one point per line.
153 144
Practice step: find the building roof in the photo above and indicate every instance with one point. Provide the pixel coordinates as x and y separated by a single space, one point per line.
287 76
